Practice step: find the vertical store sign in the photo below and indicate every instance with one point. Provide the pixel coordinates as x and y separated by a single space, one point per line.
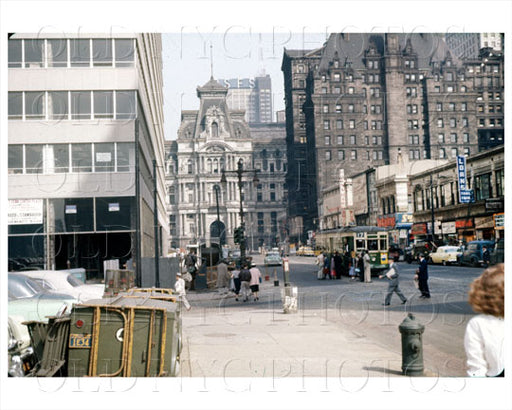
465 194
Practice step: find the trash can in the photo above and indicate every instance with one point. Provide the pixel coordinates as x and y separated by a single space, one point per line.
125 336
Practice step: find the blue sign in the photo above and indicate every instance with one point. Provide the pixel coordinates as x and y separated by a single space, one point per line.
466 196
461 175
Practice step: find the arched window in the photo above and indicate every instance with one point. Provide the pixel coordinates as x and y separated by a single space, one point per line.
190 168
215 130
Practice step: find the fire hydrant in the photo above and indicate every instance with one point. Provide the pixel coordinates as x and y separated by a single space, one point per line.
412 346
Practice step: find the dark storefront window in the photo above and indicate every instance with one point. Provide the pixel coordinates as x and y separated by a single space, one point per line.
74 215
113 214
482 187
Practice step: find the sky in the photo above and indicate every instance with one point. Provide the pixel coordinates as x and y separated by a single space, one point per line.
187 64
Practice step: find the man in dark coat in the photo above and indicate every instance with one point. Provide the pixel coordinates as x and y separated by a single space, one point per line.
422 273
338 264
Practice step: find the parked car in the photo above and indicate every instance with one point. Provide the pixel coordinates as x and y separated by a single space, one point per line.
446 255
29 301
412 252
273 258
62 281
473 254
498 255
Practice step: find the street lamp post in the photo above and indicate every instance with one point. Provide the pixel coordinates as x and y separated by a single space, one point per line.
239 173
432 208
216 188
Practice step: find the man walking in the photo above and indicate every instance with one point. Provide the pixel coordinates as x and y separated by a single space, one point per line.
367 267
392 276
255 282
245 280
422 273
179 287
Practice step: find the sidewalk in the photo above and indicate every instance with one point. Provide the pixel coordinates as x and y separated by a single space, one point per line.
251 340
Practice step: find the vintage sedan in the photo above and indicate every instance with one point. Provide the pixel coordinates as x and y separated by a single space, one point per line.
272 259
28 301
446 255
64 282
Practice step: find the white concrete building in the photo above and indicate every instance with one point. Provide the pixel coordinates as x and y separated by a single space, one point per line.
85 126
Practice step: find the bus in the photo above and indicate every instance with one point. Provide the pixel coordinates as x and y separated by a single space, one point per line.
354 239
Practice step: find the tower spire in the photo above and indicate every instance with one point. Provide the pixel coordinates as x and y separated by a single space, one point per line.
211 61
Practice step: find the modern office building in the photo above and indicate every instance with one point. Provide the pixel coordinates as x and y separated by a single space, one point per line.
252 95
468 45
85 136
362 99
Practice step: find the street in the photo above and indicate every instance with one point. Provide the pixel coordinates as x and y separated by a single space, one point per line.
340 328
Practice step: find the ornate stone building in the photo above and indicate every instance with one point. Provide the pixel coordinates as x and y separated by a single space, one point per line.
212 139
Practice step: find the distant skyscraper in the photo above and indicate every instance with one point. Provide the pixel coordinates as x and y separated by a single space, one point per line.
253 95
468 45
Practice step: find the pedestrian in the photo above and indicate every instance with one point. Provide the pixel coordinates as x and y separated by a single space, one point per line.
422 273
338 264
333 268
392 275
320 263
484 337
191 266
179 287
367 267
255 282
236 282
360 266
223 276
327 267
486 256
245 280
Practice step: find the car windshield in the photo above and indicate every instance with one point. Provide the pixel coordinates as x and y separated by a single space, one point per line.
273 255
23 287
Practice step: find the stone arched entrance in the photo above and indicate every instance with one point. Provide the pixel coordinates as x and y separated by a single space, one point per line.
218 232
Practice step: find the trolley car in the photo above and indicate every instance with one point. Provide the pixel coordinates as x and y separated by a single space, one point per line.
354 239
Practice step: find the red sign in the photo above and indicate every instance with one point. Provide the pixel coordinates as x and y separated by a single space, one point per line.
386 221
419 229
464 223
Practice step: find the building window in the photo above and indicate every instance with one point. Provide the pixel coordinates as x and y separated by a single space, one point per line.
57 51
453 138
102 52
327 155
80 52
465 138
454 152
80 105
325 108
338 108
463 106
261 223
341 155
15 160
15 110
35 105
125 156
442 153
440 138
353 155
34 159
125 105
351 108
453 123
339 124
483 188
34 53
14 53
339 139
440 123
353 140
352 124
81 157
58 101
327 125
467 151
465 122
327 140
104 157
500 179
103 104
125 52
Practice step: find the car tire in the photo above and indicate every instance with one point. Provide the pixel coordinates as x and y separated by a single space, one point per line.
444 263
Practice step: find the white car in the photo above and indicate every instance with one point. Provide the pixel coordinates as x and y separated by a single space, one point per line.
64 282
446 255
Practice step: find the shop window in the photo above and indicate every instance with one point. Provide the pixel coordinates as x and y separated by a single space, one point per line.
113 213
